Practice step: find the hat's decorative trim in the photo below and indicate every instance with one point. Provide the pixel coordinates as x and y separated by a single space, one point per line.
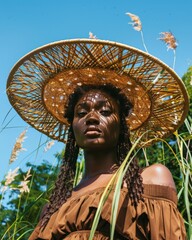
40 83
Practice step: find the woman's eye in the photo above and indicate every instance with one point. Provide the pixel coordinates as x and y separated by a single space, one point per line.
105 112
81 114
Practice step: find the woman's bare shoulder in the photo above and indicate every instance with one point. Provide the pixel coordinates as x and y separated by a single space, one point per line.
158 174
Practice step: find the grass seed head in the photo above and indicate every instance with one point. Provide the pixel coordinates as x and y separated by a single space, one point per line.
136 22
169 39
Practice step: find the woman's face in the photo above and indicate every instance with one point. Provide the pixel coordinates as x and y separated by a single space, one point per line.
96 121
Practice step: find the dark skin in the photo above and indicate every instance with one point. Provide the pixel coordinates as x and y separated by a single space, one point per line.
96 127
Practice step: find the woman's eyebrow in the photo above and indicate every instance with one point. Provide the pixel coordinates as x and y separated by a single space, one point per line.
86 104
103 103
83 104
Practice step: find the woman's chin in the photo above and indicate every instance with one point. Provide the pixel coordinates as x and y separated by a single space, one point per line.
96 144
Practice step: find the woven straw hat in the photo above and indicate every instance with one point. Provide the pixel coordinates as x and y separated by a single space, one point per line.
40 83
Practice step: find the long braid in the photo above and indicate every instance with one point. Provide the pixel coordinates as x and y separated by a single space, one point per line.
64 184
132 177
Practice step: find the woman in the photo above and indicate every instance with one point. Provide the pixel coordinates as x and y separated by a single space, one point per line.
120 88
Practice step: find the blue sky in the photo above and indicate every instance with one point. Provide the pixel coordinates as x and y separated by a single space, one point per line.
26 25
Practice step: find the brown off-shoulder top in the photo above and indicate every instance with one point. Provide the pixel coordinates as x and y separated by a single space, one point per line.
156 217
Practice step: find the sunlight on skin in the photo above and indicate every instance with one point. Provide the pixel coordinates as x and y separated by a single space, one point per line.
158 174
96 116
96 127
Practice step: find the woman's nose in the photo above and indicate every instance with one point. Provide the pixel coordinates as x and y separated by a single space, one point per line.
92 118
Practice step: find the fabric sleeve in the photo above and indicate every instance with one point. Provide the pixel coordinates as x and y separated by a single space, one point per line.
165 221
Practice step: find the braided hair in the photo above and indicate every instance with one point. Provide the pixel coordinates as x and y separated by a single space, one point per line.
64 184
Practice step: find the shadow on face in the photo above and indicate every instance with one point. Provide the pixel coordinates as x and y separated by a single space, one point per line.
96 122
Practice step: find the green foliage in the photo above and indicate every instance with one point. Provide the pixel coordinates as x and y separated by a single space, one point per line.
187 79
20 212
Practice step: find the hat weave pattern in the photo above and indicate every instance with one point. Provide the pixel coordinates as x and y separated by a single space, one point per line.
40 83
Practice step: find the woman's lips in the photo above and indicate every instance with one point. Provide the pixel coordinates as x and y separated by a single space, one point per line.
92 132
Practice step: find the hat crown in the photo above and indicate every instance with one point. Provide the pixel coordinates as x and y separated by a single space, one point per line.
40 83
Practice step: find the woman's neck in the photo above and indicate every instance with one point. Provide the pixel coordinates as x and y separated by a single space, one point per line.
98 162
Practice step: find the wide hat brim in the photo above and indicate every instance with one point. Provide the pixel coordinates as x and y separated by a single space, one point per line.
40 83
